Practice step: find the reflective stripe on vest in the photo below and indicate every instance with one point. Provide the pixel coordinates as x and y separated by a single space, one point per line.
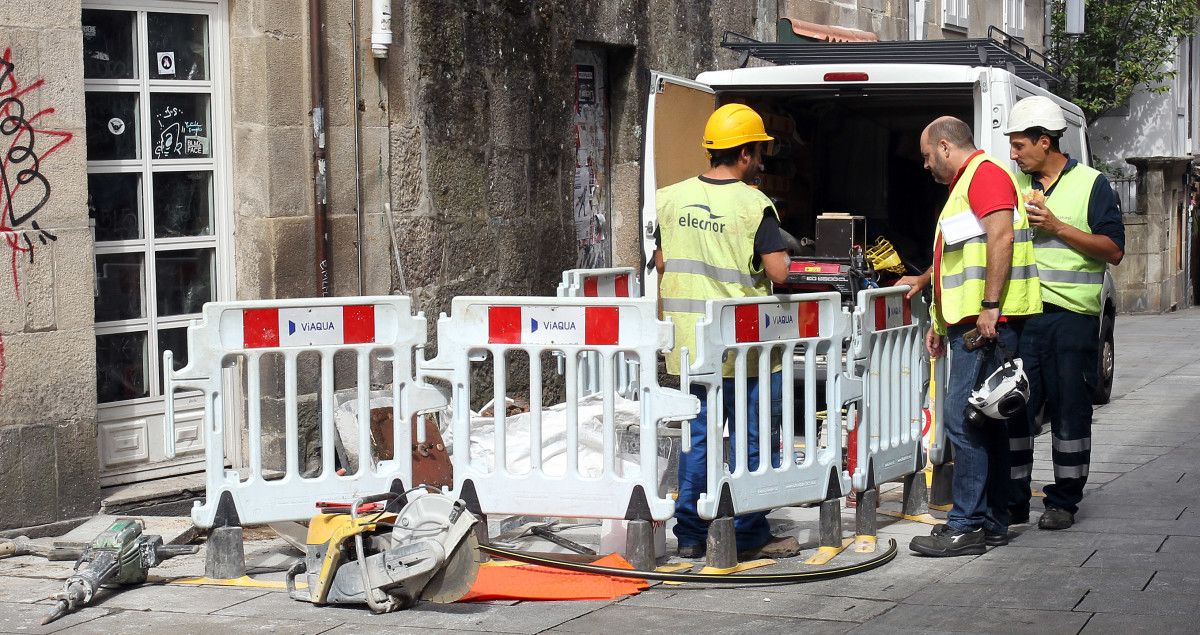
1069 278
707 233
963 267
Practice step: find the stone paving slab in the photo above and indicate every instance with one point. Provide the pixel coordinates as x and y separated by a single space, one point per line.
181 624
643 619
1108 623
1091 511
1143 603
524 617
1033 537
913 618
1052 598
1113 559
26 618
176 598
1009 576
1181 544
1175 582
774 601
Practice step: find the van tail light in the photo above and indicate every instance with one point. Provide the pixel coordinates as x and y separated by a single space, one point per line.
846 77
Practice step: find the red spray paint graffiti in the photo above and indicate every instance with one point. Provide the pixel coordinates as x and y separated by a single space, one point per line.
25 190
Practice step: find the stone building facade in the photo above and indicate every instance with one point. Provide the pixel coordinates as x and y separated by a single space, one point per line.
164 154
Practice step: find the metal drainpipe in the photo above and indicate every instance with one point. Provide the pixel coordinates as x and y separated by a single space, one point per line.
316 62
358 192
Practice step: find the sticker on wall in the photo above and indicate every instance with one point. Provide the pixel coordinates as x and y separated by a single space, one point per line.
116 125
166 62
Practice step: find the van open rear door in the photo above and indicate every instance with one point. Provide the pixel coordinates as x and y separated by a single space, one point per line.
675 118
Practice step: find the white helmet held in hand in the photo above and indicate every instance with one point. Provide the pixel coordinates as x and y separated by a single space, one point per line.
1004 393
1036 112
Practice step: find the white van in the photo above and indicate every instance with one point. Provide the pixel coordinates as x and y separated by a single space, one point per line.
847 141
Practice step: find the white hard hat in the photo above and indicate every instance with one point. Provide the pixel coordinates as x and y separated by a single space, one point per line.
1036 112
1004 393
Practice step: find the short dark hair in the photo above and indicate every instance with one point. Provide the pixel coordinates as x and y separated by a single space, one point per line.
953 130
729 156
1037 132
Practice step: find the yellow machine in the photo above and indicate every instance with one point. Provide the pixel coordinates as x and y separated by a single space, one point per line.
387 560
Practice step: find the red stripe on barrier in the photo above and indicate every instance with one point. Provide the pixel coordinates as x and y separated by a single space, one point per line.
591 287
810 319
602 325
907 311
260 328
745 323
880 313
359 324
504 325
622 286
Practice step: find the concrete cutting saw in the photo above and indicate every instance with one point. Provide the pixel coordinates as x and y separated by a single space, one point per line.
362 553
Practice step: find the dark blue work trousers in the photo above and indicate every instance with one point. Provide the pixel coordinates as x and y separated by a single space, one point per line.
752 529
1059 349
980 450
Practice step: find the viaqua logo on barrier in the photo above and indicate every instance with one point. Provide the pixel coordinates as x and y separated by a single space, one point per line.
310 326
553 325
709 225
769 320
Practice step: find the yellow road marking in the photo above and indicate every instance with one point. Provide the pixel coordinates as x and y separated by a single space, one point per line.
244 581
825 554
864 544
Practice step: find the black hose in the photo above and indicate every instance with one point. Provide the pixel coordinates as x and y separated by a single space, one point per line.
794 577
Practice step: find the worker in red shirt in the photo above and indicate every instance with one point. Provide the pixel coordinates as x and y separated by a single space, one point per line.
984 279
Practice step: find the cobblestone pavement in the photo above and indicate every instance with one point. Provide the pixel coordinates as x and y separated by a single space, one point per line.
1130 564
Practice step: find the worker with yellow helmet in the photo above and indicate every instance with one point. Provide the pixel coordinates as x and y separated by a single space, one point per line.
718 237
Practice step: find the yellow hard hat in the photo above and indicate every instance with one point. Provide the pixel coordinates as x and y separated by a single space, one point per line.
732 125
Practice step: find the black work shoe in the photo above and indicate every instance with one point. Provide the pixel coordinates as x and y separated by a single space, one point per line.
1018 515
691 551
944 541
994 538
1055 518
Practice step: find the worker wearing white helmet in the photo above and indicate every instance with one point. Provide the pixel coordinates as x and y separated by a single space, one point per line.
1077 231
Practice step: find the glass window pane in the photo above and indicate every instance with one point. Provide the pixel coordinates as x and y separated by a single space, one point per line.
174 340
179 126
121 366
182 204
115 202
177 46
108 44
119 288
185 279
111 125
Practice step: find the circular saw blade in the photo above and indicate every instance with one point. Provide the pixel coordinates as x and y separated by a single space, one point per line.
455 578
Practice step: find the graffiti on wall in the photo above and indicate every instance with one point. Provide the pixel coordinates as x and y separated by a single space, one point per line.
590 192
24 188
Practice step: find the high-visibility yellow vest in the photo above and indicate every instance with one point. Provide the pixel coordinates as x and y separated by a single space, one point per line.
963 270
707 232
1070 279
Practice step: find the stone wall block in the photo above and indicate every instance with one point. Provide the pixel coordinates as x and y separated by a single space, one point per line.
287 80
290 169
251 174
626 213
249 91
60 58
293 250
30 490
75 455
63 171
48 377
253 266
74 279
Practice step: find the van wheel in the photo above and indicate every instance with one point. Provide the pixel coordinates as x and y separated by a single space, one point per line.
1106 362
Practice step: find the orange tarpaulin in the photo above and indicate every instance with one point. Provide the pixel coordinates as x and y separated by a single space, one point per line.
533 582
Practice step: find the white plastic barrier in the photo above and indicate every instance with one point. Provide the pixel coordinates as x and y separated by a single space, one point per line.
887 350
616 282
515 332
809 327
936 437
228 330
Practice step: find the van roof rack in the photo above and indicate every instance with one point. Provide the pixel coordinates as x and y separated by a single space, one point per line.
998 49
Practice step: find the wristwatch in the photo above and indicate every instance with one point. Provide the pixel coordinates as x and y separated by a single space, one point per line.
990 305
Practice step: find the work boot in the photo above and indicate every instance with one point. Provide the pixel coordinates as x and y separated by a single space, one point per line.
691 552
990 538
1055 518
776 547
944 541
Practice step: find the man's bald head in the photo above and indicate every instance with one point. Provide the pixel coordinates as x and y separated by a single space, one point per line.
946 144
952 130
